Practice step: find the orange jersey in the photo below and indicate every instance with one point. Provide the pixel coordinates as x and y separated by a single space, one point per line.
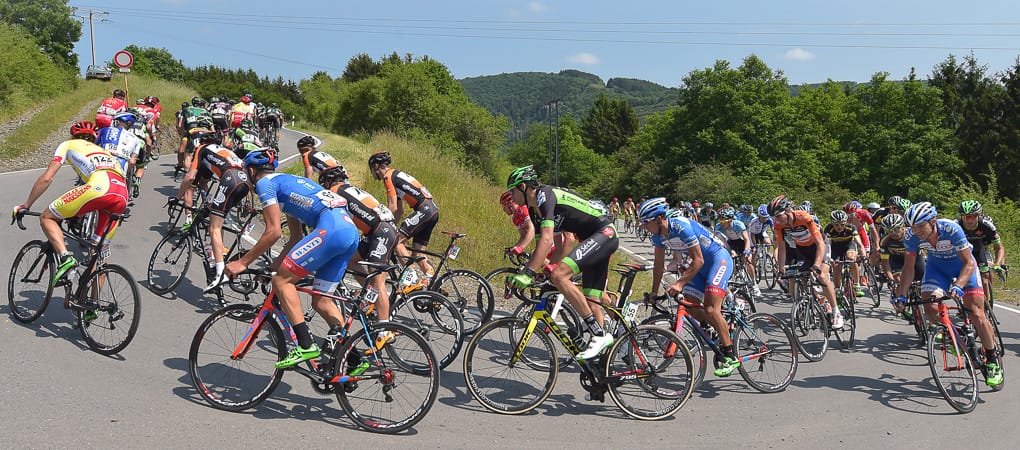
803 230
215 159
405 186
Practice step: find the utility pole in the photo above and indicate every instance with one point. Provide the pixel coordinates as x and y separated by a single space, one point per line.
557 137
92 31
552 118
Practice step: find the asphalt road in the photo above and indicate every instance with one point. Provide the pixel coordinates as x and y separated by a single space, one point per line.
57 393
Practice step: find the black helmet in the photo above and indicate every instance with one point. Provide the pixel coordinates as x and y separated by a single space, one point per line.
380 158
333 175
307 141
197 101
778 205
119 93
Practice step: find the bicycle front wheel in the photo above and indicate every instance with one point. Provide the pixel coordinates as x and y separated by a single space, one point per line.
567 319
811 328
435 318
169 262
29 287
1000 351
845 335
690 338
501 384
770 271
113 296
767 352
400 385
229 383
649 373
953 372
472 295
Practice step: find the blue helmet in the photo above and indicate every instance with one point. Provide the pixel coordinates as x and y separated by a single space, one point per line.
261 159
652 208
126 117
763 210
920 213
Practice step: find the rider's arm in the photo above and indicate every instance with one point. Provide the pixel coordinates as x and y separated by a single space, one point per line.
657 269
545 242
819 242
308 166
747 240
969 266
42 183
297 232
1000 252
907 275
272 233
527 231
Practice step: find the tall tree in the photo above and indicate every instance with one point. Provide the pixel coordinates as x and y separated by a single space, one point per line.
360 67
50 23
608 124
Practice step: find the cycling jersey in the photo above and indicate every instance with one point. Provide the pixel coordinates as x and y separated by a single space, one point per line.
405 187
684 234
241 136
297 196
801 232
214 160
194 117
120 143
107 109
983 235
735 232
319 161
842 238
715 273
563 210
86 158
363 207
746 218
862 222
893 251
104 188
520 217
757 227
944 258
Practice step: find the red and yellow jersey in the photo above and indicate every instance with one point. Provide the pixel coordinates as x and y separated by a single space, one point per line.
803 230
405 186
86 158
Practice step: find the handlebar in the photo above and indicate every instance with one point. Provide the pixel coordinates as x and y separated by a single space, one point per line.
930 299
18 216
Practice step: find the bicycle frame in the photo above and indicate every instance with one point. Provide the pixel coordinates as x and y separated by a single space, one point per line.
732 319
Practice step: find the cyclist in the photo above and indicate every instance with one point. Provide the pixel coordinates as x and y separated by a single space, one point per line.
629 211
738 241
241 110
746 215
213 161
891 207
893 250
401 187
557 209
111 106
193 119
104 190
614 209
759 230
119 142
873 207
315 161
521 219
705 279
982 234
861 219
843 244
245 138
809 244
218 110
325 250
144 130
951 267
378 235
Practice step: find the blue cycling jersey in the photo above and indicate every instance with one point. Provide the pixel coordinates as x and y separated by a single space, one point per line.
746 218
297 196
757 227
951 239
684 234
734 232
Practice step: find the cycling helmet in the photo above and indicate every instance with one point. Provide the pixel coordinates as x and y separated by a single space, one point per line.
506 198
778 205
894 201
262 158
727 213
246 98
904 204
919 213
155 100
140 101
806 206
970 207
709 205
746 208
652 208
839 216
126 117
614 199
763 210
198 102
150 100
84 128
332 175
892 221
306 141
850 207
520 176
674 213
873 205
381 158
119 93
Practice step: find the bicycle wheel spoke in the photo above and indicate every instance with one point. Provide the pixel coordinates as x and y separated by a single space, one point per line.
767 352
113 296
499 385
954 375
650 373
435 318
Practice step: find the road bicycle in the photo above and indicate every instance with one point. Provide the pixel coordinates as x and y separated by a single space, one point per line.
467 289
765 346
809 320
872 280
510 365
846 300
103 297
741 283
954 353
232 356
503 288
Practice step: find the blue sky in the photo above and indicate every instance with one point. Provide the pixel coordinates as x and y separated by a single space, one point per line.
660 41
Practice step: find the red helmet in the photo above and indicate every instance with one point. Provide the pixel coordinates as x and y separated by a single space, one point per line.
506 198
850 207
245 99
629 199
84 128
614 199
155 100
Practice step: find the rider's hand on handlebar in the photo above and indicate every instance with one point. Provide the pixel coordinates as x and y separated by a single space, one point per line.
956 291
516 250
17 212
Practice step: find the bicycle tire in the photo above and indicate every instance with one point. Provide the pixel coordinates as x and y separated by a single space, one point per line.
636 366
400 385
810 327
568 319
771 348
166 270
499 386
436 318
116 300
772 277
846 334
695 345
1000 350
29 286
231 394
471 293
961 394
874 286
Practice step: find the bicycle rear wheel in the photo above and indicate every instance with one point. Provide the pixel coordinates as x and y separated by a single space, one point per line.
874 285
113 295
435 318
767 350
169 262
845 334
771 272
29 287
810 327
690 338
954 375
400 385
504 386
471 293
999 349
235 384
650 373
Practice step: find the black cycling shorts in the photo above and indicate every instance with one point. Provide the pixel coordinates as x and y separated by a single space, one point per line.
419 225
232 189
591 258
377 246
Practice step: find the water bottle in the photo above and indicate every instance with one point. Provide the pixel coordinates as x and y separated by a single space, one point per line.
728 302
739 304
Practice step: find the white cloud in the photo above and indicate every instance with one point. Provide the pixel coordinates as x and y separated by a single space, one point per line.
798 54
537 7
583 58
